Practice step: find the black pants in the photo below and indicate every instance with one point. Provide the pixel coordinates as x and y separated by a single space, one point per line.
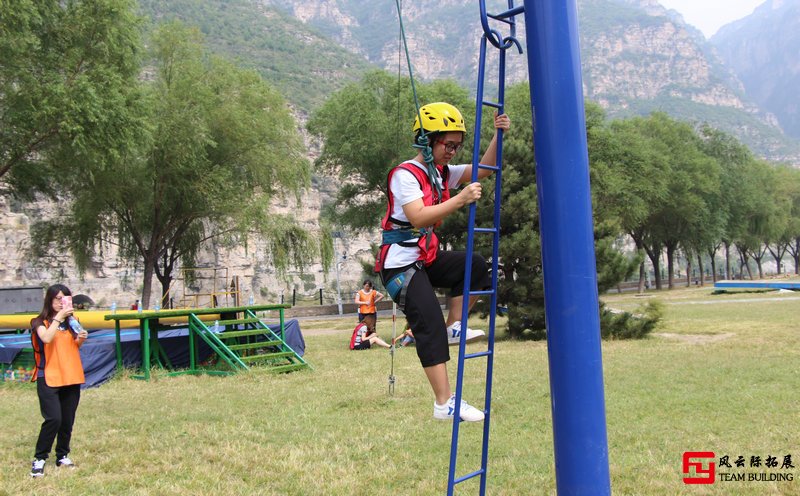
422 306
58 406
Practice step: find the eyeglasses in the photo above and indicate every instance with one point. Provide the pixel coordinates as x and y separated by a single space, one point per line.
451 147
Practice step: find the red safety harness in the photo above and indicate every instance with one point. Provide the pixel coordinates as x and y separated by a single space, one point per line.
401 232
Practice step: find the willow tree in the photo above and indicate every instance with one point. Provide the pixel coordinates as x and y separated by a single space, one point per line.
67 89
221 147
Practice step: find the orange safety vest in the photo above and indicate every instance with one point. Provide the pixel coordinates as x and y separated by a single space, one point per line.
370 297
427 247
60 359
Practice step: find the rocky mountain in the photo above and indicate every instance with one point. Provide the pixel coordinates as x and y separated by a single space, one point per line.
763 49
637 57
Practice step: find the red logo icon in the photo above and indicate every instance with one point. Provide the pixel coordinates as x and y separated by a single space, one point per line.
702 475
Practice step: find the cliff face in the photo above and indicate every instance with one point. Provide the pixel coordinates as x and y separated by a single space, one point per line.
637 57
762 49
108 279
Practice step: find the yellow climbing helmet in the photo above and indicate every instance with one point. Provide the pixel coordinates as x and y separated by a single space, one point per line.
440 117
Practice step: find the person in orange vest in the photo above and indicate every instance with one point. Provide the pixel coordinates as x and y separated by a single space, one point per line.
58 373
410 262
366 298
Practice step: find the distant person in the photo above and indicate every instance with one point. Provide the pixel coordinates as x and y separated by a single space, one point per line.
135 305
404 339
364 335
367 297
58 374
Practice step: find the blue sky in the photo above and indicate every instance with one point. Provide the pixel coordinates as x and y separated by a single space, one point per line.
710 15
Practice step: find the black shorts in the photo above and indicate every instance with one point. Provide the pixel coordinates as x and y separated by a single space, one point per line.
364 345
423 311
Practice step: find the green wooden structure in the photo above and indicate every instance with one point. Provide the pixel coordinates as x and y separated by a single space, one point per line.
243 340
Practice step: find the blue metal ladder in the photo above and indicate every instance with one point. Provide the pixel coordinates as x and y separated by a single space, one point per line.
502 44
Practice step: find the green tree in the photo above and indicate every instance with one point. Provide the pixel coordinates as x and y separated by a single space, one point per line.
630 180
367 130
363 141
733 157
789 189
68 93
222 147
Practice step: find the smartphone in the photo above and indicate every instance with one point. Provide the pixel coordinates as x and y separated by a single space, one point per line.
66 302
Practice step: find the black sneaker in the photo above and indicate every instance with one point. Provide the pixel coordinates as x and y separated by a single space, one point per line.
37 468
64 461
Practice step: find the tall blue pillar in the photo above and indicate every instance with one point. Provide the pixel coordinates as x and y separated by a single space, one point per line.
570 276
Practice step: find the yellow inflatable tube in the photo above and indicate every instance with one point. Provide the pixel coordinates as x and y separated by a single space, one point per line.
94 319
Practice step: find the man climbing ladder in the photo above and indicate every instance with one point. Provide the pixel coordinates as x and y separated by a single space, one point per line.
410 262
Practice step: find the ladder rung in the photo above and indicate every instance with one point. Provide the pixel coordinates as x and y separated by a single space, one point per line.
475 293
287 368
485 230
468 476
248 320
238 334
256 345
491 104
478 354
489 167
509 13
267 356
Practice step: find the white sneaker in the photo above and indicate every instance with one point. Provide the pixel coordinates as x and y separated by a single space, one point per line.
64 461
454 334
37 468
446 411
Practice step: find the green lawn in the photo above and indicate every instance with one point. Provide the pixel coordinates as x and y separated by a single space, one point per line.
721 374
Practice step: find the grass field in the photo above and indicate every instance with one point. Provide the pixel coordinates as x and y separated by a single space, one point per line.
721 374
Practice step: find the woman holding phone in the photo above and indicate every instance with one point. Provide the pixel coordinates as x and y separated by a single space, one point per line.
58 375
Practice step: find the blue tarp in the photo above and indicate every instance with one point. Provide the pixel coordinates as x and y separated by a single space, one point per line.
99 357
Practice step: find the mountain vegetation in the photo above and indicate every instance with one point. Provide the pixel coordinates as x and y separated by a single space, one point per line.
762 50
637 58
295 58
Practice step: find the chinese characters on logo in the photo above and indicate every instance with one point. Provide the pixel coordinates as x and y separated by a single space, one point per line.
699 467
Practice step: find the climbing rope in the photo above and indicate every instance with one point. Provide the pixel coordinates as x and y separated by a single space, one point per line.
392 378
423 143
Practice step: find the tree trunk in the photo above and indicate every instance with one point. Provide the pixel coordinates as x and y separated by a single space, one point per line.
728 261
713 270
670 266
688 271
743 261
641 277
149 269
777 255
712 254
655 260
700 268
796 255
165 281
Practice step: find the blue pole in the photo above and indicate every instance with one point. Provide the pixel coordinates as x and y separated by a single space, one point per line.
570 277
